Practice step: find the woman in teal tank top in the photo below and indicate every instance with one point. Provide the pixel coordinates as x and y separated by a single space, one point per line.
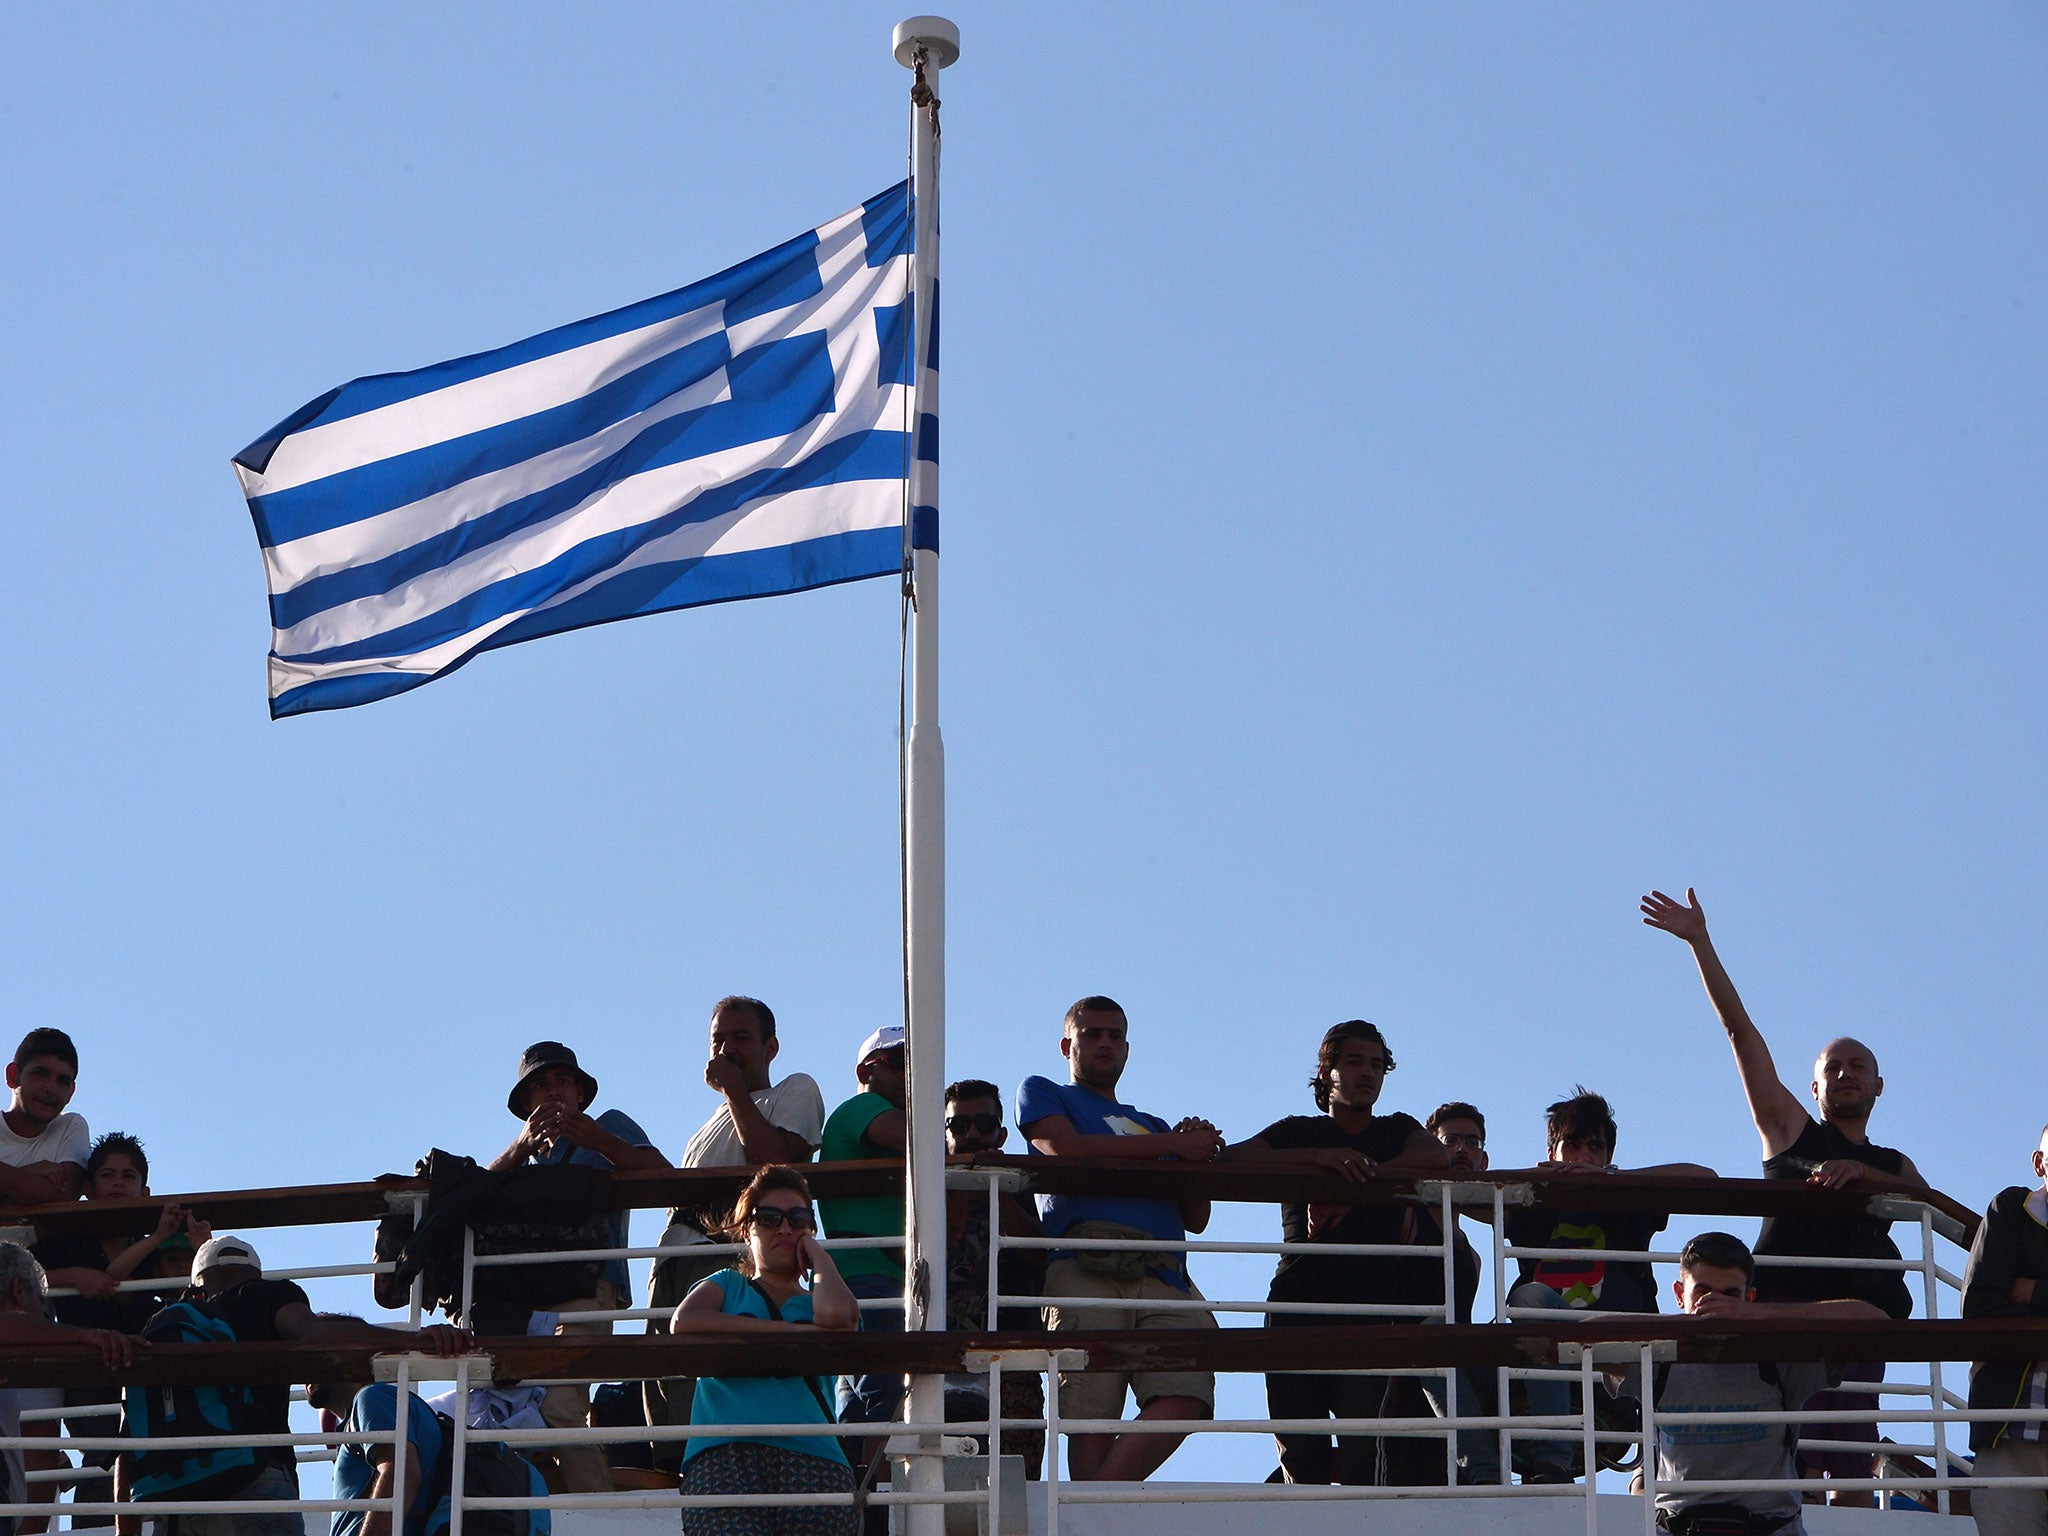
766 1294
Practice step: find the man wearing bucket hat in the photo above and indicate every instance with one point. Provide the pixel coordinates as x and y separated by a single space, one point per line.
553 1094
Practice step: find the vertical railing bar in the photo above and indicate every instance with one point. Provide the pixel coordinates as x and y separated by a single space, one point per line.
458 1454
1500 1315
468 1269
1449 1215
1052 1444
1592 1447
1932 1283
995 1245
401 1423
995 1423
416 1297
1649 1450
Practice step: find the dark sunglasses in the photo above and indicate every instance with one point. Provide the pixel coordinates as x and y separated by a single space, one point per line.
770 1217
988 1125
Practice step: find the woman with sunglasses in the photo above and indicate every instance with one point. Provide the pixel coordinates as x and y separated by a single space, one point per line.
766 1294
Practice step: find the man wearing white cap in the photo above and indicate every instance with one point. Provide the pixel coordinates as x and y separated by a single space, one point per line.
228 1284
870 1124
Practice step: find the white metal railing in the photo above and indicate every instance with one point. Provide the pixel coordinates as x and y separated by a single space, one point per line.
1940 1408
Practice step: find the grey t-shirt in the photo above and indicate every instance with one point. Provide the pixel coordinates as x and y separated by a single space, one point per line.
1693 1452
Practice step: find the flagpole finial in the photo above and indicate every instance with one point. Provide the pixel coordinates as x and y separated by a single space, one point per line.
938 37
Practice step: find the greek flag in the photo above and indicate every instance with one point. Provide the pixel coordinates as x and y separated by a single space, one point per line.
743 436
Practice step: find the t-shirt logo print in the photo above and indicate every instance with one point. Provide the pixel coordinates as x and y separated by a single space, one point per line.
1123 1125
1577 1281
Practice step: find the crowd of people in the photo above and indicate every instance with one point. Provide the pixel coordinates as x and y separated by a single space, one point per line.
1128 1269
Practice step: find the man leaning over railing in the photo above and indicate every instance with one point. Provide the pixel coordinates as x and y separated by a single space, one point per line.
228 1285
553 1095
1830 1153
2007 1276
1579 1135
1715 1280
1461 1130
1084 1118
974 1123
24 1319
1347 1138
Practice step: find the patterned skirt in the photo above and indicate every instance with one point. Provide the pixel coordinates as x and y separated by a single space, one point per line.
751 1466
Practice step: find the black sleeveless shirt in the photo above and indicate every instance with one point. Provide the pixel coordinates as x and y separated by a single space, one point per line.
1865 1238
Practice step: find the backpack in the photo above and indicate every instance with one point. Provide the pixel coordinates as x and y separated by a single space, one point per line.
159 1412
490 1470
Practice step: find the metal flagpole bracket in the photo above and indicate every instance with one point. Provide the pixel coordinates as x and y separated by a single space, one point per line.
1616 1351
1009 1180
422 1367
938 37
1474 1192
979 1360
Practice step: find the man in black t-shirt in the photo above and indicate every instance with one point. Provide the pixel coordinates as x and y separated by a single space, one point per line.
227 1281
1832 1152
1348 1139
1579 1136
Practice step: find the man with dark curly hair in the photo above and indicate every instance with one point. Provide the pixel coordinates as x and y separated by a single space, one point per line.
1347 1138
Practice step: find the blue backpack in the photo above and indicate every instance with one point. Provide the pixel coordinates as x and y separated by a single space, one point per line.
161 1412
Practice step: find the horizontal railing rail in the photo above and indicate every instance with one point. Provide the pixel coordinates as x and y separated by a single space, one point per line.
1391 1346
327 1204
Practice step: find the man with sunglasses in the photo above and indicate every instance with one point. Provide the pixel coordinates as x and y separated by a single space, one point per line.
974 1123
871 1124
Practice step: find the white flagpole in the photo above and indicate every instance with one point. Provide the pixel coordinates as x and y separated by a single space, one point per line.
925 45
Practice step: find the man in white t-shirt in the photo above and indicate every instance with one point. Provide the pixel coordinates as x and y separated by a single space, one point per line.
42 1146
759 1122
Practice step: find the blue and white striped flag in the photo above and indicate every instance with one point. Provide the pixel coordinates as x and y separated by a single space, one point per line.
743 436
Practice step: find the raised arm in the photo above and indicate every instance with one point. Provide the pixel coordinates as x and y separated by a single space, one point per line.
1779 1115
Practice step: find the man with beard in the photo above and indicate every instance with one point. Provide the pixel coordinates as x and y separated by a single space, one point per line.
1832 1152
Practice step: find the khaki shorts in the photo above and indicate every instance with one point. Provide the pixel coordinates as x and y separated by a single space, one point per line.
1100 1394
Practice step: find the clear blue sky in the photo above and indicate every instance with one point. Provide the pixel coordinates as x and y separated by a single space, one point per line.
1414 479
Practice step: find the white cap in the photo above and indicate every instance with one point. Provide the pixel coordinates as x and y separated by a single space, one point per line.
887 1038
220 1252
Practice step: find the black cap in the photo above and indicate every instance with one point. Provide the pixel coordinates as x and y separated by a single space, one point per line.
538 1058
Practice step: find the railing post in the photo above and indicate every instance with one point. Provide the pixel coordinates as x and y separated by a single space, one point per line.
1592 1446
468 1269
1931 1284
1449 1215
458 1452
995 1246
1500 1315
416 1297
1649 1451
1052 1444
401 1424
995 1422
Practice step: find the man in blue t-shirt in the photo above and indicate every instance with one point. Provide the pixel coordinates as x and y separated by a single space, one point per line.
1084 1118
553 1096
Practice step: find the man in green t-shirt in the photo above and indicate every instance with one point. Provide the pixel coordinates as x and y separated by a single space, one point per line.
870 1124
